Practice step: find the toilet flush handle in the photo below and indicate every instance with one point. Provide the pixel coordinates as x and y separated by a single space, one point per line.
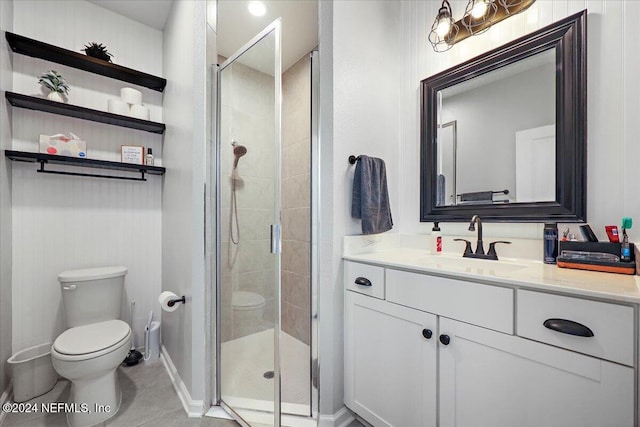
69 287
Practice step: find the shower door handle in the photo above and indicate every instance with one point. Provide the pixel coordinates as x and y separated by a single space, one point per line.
275 238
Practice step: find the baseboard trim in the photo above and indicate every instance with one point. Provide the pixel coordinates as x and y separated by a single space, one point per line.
5 397
193 408
342 418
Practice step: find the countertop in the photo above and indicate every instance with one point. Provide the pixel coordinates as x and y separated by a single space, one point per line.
508 272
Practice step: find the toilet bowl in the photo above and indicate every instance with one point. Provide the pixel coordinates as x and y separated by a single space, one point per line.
248 311
90 351
88 356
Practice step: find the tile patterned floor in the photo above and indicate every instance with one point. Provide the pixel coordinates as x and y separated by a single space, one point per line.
148 399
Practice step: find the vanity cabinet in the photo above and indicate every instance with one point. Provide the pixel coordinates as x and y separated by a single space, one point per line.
486 363
491 379
390 362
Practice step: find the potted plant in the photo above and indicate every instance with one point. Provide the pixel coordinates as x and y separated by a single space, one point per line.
97 50
58 86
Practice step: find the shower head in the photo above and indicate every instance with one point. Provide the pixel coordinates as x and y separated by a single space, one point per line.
238 151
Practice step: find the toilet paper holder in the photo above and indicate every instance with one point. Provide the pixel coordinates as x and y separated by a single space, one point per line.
173 302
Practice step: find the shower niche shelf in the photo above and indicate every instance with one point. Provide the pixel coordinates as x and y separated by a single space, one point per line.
37 49
46 159
62 109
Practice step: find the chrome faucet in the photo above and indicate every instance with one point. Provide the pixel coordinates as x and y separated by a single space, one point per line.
468 252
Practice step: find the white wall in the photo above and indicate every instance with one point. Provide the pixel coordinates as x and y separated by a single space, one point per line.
360 114
62 222
183 332
613 103
6 24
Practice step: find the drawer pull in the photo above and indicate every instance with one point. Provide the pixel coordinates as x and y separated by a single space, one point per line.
568 327
445 339
363 281
427 333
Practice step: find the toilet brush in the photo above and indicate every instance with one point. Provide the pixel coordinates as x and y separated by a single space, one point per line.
134 355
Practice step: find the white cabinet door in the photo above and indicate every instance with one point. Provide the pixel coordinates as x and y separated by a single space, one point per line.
490 379
390 365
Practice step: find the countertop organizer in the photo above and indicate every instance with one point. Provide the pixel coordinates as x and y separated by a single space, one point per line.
37 49
596 247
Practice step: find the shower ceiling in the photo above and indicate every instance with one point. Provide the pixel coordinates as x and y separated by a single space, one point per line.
236 26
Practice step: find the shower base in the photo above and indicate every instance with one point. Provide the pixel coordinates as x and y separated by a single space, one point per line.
244 363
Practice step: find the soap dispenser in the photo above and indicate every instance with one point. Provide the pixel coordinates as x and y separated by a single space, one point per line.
437 238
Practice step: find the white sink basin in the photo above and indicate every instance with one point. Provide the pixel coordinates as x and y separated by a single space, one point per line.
471 265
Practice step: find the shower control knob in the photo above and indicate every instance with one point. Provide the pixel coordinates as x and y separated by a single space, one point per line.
445 339
427 333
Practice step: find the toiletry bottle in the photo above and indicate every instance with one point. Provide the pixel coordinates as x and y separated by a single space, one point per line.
149 159
550 243
437 235
625 250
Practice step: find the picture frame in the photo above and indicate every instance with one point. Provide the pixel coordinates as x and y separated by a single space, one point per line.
132 154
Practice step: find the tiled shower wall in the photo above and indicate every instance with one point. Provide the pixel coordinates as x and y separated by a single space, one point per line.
296 185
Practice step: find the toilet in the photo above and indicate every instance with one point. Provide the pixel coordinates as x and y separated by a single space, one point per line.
96 343
248 310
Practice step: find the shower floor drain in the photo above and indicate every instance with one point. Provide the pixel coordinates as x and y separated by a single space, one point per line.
268 375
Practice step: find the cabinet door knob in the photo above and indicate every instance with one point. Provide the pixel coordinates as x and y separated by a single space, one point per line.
427 333
445 339
568 327
363 281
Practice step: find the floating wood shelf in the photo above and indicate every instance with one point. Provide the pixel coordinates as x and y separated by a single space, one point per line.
37 49
42 104
43 159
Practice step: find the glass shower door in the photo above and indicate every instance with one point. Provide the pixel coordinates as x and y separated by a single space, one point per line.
248 264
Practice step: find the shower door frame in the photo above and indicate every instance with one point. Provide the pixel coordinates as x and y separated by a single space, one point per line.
274 27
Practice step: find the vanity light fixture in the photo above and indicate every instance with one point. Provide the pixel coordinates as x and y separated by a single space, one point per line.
257 8
444 30
478 17
514 7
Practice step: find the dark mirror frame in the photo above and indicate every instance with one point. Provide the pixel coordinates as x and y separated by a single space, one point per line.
569 37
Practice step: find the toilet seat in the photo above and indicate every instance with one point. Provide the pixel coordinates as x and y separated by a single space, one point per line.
91 341
243 300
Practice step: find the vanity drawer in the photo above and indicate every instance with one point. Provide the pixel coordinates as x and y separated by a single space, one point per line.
369 278
612 325
482 305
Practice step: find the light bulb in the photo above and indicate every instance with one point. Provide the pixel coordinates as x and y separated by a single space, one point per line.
479 8
443 27
257 8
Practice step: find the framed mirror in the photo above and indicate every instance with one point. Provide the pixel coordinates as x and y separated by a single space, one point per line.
503 135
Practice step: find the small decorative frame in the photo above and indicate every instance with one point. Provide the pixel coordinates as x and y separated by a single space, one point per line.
132 154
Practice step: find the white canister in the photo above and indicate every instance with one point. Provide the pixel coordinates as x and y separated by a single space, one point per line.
118 106
131 96
140 112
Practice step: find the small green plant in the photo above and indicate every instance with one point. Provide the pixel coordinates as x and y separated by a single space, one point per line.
54 81
97 50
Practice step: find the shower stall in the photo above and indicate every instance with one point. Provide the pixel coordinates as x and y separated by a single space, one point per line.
266 348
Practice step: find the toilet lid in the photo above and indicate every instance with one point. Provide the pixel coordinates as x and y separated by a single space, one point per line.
91 338
243 299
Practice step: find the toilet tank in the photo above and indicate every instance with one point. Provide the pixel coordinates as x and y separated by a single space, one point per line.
92 295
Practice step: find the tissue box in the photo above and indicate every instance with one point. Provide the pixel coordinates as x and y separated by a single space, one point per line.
61 145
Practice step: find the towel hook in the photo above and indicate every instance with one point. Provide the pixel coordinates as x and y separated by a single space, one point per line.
353 159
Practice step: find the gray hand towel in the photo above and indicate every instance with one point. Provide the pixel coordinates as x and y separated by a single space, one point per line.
370 198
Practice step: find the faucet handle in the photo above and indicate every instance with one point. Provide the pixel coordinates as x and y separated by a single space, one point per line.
467 248
492 248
